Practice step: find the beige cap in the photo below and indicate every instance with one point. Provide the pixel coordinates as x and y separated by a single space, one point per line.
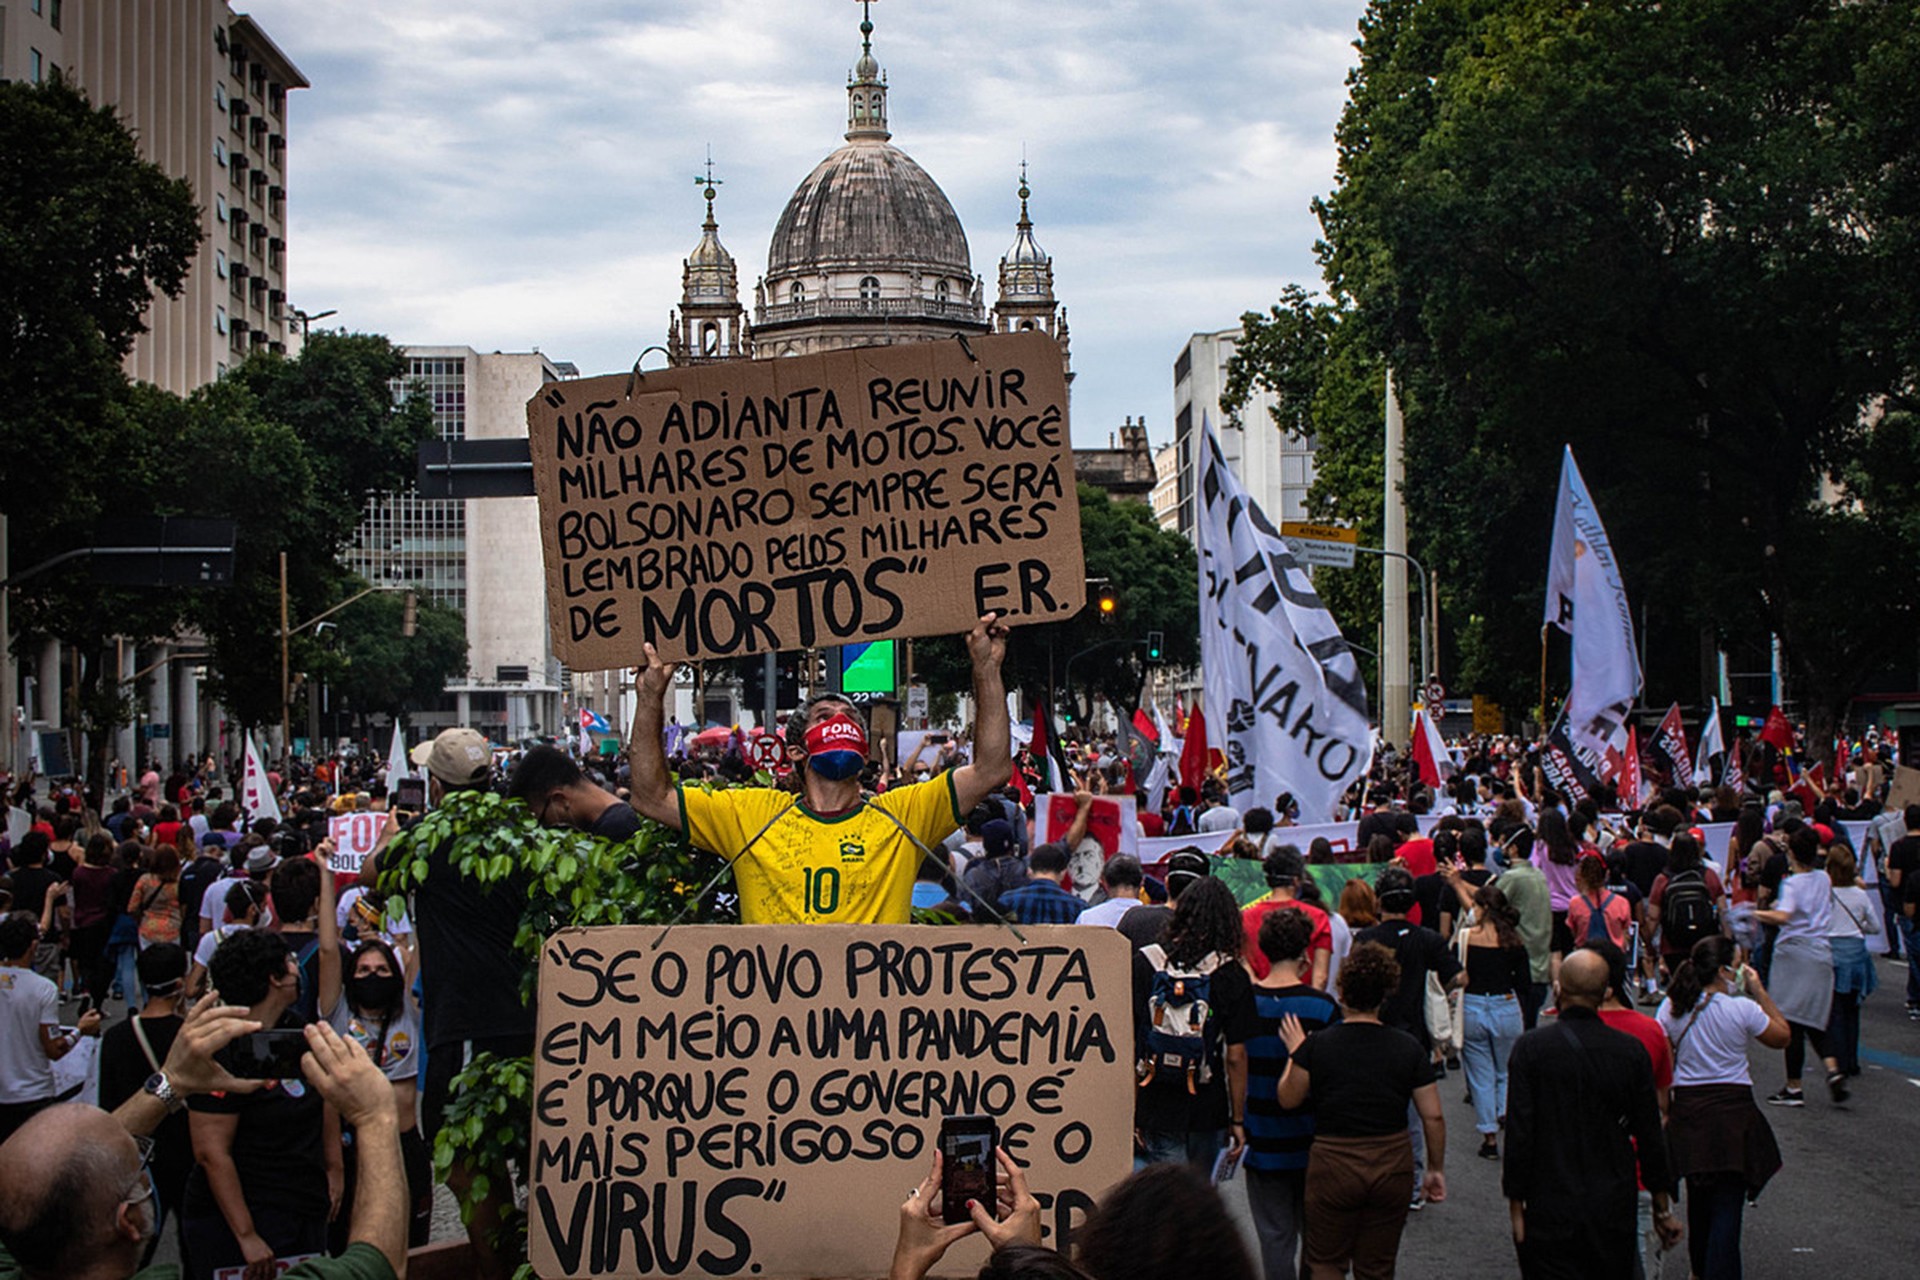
458 757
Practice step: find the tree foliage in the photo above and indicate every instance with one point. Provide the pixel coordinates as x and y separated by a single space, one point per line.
1155 578
89 232
1676 236
377 669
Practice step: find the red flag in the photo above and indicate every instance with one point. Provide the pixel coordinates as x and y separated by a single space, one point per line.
1630 784
1736 774
1778 732
1193 751
1429 751
1670 748
1143 724
1812 784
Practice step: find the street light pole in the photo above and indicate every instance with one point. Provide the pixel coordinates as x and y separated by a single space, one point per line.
286 671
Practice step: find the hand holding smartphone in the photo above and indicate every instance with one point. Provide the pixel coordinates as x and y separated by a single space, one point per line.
969 1164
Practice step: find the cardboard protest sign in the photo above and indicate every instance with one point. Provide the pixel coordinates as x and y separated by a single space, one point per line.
756 1100
353 836
755 505
1905 788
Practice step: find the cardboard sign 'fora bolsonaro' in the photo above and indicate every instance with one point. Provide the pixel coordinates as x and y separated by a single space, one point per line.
750 506
738 1100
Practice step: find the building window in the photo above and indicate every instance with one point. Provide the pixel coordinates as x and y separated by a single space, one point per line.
219 95
942 292
220 153
39 6
220 263
710 340
34 68
219 319
797 294
53 15
869 289
219 206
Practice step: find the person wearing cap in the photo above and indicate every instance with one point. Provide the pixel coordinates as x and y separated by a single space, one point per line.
470 973
830 855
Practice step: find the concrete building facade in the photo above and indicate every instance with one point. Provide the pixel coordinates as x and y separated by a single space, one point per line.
1276 468
481 556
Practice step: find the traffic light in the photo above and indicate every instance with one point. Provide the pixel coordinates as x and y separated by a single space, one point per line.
1109 605
410 614
1156 646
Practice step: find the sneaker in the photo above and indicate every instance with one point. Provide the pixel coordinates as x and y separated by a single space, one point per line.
1418 1202
1913 1011
1789 1098
1453 1062
1489 1149
1837 1086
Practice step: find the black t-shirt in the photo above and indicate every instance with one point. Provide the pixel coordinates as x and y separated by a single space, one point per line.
1642 862
470 972
1166 1105
1145 924
123 1070
277 1149
1903 856
1361 1076
1773 871
616 822
1420 951
1432 895
30 886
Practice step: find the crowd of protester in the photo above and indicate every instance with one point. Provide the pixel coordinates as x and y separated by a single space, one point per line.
1500 931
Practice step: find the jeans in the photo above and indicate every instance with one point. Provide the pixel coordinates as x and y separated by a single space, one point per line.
119 962
1492 1025
1278 1201
1198 1147
1715 1202
1843 1030
1647 1253
1909 937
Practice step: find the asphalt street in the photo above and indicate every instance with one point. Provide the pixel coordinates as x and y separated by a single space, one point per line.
1839 1206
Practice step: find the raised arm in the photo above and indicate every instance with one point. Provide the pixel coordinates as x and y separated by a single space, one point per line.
329 957
992 732
652 789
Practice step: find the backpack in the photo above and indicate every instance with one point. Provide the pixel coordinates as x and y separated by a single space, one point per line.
1687 913
1597 920
1179 1021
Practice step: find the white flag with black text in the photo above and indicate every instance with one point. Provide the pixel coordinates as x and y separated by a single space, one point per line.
1585 599
1279 678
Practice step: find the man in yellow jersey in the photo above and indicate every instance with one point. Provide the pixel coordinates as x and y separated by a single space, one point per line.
830 855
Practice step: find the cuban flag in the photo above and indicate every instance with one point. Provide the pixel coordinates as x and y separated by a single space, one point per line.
591 722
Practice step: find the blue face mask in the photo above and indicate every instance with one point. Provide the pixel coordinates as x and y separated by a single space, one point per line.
837 766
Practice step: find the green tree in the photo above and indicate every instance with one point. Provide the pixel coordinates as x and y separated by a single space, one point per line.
1155 578
376 669
89 232
1668 235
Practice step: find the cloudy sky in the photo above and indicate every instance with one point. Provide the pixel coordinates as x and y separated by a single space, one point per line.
508 176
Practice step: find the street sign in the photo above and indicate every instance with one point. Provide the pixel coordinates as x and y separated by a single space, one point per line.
917 702
1321 544
1436 692
163 551
766 750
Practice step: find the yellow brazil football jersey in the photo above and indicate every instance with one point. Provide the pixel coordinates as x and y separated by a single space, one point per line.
857 868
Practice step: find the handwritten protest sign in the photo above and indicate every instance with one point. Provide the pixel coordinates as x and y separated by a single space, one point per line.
353 836
756 505
755 1100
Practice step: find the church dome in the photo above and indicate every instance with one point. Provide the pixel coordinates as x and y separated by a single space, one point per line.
869 203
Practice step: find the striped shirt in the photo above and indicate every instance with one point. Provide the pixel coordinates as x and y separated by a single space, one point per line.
1277 1138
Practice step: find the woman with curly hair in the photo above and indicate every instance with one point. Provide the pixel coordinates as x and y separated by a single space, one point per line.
1497 970
1191 996
1360 1076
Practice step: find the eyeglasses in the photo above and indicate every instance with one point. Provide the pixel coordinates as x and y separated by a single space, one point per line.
146 1190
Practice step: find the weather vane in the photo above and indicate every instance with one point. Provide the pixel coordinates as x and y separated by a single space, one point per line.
709 181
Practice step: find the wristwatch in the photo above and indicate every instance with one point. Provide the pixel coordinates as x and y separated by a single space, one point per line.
161 1088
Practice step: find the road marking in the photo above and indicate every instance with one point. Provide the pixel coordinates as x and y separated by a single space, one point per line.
1905 1064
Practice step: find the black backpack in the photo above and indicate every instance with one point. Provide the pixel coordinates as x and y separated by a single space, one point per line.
195 879
1687 913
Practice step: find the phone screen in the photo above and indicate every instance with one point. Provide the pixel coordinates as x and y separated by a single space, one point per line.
967 1165
267 1055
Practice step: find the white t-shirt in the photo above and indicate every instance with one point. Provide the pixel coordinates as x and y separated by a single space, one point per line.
199 825
1108 913
1220 818
1807 898
1342 943
1714 1049
1855 913
27 1003
210 943
397 1053
388 929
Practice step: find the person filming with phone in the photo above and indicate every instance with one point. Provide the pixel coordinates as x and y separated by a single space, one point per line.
831 855
271 1171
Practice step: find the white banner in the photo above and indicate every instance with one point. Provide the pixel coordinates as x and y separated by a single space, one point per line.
1343 836
256 789
1283 692
1586 600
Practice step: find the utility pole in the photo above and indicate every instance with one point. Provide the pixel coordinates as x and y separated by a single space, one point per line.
286 670
1396 702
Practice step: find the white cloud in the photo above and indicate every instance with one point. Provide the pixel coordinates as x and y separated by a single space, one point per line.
508 177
